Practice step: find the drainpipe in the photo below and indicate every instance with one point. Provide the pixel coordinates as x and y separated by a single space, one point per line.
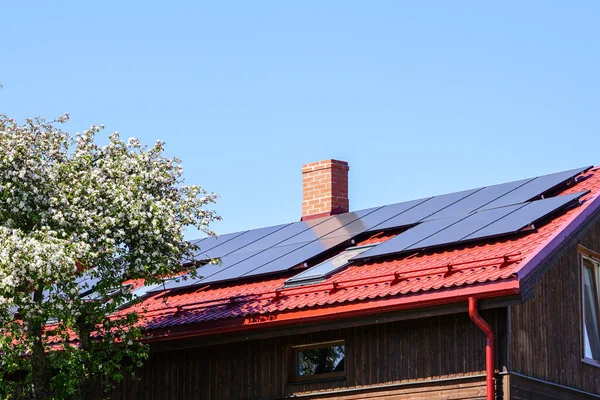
489 348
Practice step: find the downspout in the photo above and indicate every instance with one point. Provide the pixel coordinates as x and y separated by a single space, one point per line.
489 348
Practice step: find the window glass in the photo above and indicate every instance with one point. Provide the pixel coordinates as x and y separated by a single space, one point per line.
591 325
326 268
314 361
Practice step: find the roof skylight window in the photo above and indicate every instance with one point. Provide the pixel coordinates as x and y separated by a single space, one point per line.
321 271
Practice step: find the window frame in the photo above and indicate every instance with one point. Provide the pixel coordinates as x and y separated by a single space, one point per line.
334 375
594 258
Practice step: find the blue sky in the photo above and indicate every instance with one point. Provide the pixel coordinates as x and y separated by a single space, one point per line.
420 98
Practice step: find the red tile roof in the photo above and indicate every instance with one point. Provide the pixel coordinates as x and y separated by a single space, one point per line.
488 268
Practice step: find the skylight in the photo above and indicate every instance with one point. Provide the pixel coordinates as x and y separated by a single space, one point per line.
320 271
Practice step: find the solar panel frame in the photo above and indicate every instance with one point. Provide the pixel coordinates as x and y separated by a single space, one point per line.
332 224
238 243
299 256
408 238
536 187
289 232
378 216
478 199
206 270
249 264
213 242
525 216
454 233
307 237
423 210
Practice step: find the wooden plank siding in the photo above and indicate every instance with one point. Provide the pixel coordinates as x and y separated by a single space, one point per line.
545 331
418 352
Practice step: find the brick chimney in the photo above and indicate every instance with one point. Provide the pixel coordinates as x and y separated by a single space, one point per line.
324 188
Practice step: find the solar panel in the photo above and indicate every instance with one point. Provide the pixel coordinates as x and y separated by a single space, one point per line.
482 224
449 218
535 187
465 227
423 210
329 225
320 271
214 241
360 221
409 237
144 290
374 218
525 216
478 199
299 256
209 269
249 264
240 242
289 233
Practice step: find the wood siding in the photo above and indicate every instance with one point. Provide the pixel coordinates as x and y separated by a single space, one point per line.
545 338
527 389
414 351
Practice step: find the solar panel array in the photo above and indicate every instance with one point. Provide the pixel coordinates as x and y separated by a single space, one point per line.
433 221
477 225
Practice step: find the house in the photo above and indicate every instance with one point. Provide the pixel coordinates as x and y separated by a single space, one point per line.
489 293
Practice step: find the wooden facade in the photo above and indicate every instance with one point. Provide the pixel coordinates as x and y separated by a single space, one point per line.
399 358
545 335
538 353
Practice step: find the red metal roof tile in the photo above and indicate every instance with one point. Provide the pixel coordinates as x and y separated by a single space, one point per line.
491 267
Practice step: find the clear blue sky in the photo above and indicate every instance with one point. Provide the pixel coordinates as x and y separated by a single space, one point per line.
419 97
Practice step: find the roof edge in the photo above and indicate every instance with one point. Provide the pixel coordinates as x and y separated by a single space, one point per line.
553 243
485 290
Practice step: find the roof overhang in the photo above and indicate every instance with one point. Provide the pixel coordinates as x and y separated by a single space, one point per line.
369 307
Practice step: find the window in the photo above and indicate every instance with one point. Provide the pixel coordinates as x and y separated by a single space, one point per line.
319 361
591 306
319 272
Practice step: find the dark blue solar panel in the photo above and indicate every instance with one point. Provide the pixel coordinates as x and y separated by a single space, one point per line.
478 199
329 225
212 242
197 241
249 265
315 228
441 220
240 243
465 227
535 187
377 216
424 210
360 221
410 237
290 234
207 270
525 216
299 256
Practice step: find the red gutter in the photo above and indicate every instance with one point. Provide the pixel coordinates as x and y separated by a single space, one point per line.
347 310
489 348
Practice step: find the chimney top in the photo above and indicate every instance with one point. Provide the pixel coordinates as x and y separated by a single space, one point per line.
324 188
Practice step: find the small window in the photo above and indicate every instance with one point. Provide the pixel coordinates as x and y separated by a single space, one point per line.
319 361
591 308
321 271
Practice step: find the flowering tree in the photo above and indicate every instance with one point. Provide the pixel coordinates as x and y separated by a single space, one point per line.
76 217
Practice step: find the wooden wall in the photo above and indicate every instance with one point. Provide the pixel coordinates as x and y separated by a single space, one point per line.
398 352
545 333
